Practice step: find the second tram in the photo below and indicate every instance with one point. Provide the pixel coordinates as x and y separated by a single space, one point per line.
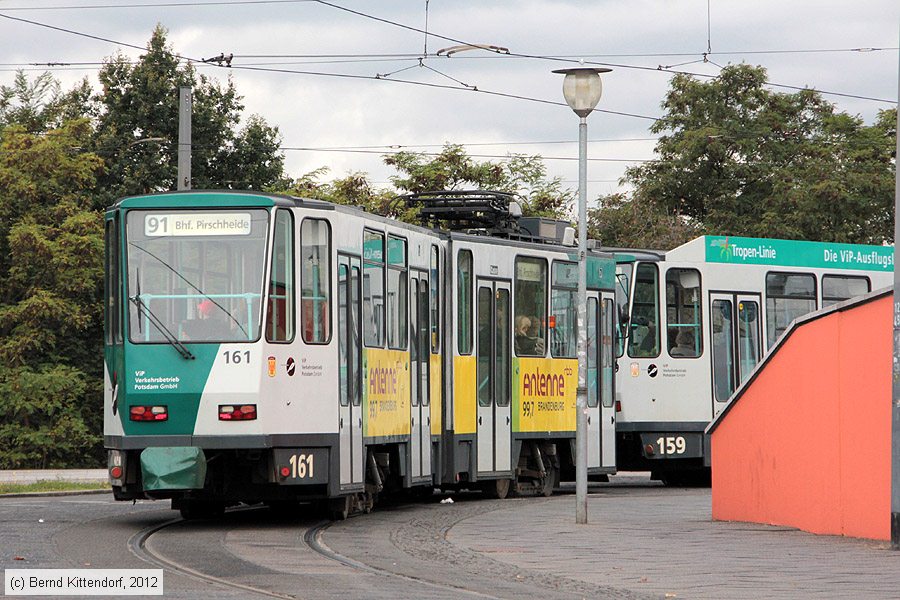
697 321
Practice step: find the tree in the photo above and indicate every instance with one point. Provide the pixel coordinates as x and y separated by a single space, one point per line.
51 255
137 129
735 158
40 105
635 223
452 169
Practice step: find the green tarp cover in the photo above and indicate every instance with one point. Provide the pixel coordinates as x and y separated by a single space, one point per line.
178 468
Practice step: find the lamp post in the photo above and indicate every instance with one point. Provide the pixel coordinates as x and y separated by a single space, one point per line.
582 89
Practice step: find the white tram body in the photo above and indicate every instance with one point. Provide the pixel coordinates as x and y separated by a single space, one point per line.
263 348
699 319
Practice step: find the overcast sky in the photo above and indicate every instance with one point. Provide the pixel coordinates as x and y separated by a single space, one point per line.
801 43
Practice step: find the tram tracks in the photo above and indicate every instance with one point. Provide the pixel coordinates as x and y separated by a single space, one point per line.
312 538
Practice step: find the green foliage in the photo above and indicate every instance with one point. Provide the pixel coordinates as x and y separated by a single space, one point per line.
52 486
451 169
622 223
738 159
39 105
50 309
46 420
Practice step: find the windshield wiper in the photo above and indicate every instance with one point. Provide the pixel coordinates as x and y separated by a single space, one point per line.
187 281
170 337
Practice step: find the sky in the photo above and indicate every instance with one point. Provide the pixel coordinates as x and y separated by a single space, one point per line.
343 80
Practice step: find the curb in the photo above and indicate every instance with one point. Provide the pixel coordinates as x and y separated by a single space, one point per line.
51 494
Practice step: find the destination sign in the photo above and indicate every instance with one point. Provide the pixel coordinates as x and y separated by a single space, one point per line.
194 224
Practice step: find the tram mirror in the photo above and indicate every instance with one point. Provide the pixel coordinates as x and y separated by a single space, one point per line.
623 314
689 278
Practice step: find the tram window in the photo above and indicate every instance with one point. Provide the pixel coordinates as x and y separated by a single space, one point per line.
113 284
683 299
315 280
435 282
623 287
644 339
606 353
592 353
280 314
748 337
464 302
530 306
788 296
564 310
397 294
722 320
837 288
501 350
373 289
484 352
202 288
344 371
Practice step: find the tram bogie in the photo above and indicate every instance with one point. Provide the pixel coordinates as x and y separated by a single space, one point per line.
265 349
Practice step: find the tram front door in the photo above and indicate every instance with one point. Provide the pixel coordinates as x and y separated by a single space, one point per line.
736 344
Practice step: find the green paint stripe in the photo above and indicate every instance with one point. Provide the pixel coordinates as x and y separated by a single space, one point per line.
794 253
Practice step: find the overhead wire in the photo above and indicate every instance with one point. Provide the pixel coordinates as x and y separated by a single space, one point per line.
473 89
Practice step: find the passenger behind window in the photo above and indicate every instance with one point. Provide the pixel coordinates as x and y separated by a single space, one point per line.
526 343
684 344
208 325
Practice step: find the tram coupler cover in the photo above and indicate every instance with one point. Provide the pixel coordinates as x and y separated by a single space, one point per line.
173 468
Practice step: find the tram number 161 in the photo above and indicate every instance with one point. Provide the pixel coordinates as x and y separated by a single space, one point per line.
301 466
671 444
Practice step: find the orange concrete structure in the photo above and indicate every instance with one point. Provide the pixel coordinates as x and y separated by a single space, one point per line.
806 441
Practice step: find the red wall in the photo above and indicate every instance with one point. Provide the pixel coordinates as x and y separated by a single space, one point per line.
808 443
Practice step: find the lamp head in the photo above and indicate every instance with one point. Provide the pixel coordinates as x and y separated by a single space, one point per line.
582 88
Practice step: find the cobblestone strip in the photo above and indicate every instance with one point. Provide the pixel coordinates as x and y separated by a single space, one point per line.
418 535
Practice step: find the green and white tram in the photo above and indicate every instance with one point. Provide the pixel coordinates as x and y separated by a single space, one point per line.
699 319
263 348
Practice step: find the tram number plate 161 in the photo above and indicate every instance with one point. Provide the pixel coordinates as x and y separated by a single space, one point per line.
300 466
672 445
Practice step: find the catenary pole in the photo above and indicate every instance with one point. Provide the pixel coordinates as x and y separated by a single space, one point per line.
184 138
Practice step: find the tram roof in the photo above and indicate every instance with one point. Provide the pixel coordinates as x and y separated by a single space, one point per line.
215 199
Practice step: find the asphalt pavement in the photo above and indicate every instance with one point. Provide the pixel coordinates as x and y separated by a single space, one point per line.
642 540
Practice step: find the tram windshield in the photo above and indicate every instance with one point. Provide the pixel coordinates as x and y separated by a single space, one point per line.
195 276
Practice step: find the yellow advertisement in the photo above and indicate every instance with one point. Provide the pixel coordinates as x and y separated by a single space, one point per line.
464 394
544 391
436 394
385 392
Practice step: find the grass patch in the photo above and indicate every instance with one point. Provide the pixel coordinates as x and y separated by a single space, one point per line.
50 486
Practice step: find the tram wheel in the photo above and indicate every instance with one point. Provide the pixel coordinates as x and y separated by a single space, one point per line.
496 488
548 482
201 509
339 508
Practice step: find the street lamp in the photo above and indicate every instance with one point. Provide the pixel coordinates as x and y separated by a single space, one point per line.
582 89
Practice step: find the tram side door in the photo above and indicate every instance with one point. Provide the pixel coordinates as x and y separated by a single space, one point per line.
350 373
735 332
492 374
593 381
420 401
607 380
